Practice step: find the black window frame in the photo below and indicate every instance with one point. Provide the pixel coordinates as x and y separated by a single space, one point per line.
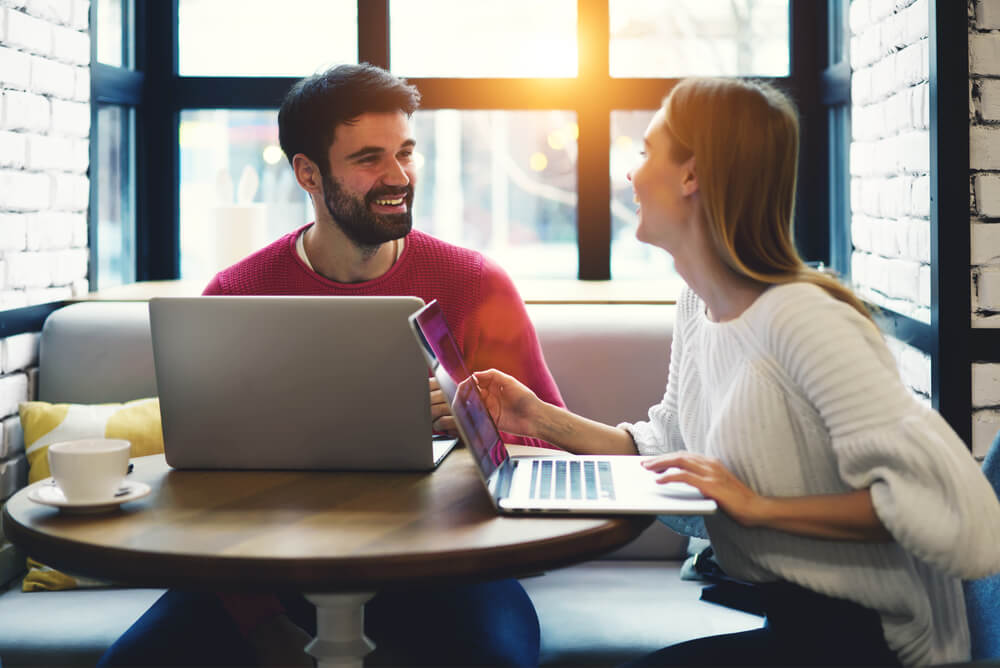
117 86
166 94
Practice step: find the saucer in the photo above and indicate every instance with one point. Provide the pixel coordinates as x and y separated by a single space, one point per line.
49 494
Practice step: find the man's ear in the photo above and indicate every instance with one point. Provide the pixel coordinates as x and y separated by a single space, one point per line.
689 180
307 174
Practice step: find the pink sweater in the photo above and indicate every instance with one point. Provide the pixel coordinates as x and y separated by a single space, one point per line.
479 301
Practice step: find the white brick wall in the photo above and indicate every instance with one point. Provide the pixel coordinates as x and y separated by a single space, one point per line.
984 162
914 367
44 188
44 147
890 154
890 164
19 352
984 209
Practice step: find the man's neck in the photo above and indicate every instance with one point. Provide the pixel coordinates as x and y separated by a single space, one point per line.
334 256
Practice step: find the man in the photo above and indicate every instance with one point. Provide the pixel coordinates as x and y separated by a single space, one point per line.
346 133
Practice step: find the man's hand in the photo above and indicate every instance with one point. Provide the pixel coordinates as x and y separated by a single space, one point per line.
441 418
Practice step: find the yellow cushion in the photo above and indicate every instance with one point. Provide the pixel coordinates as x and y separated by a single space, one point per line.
44 424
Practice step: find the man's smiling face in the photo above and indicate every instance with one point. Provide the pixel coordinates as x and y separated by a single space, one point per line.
368 187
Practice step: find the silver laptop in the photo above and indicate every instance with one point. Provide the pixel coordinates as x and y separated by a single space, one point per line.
331 383
591 485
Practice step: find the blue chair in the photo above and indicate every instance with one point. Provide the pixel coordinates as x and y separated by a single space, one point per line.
982 597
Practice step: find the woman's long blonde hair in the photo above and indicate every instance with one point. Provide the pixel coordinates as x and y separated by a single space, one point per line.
745 139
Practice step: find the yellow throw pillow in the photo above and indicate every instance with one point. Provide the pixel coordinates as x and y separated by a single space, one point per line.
44 424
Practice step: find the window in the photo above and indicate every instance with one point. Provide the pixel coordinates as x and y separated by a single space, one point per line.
650 38
115 196
514 38
524 141
115 95
237 191
253 38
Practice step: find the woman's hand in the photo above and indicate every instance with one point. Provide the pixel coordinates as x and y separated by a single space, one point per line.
845 516
712 479
513 405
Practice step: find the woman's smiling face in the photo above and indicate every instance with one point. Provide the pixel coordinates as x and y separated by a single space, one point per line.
663 188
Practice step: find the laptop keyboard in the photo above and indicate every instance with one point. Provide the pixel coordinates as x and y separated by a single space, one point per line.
571 479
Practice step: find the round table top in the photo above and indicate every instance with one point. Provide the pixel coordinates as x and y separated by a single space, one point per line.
306 531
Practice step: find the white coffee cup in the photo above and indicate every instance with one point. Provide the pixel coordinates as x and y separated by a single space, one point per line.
89 470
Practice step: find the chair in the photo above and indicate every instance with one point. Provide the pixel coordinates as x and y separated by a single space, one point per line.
982 597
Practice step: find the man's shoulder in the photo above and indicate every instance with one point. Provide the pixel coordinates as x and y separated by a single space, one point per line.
427 243
430 250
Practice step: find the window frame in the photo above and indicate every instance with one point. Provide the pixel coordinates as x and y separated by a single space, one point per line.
166 94
113 86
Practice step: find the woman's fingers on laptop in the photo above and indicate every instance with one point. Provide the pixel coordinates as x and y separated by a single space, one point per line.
508 400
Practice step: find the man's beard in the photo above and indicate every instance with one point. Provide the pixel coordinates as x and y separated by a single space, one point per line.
364 227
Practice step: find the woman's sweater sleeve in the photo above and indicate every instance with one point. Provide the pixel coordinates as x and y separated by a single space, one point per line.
926 487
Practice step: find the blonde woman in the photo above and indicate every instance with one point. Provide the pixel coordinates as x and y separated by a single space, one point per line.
853 506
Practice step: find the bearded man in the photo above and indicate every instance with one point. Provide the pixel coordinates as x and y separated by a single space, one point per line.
346 133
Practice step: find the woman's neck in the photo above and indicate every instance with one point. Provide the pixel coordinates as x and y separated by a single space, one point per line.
726 294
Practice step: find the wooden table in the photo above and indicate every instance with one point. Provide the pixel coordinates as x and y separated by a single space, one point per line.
340 537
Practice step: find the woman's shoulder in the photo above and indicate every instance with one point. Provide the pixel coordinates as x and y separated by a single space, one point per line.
801 302
805 317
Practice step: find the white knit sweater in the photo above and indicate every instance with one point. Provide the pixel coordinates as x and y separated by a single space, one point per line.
800 396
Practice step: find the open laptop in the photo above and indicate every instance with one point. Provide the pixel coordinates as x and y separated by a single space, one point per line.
591 485
332 383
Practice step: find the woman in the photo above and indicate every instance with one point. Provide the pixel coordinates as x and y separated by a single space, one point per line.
852 505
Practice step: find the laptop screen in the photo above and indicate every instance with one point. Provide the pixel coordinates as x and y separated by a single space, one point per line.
480 432
475 422
436 335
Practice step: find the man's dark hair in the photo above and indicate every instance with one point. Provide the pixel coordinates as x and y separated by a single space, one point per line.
315 106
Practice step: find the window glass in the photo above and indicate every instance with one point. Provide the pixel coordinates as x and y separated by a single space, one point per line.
264 38
238 192
110 30
513 38
502 182
652 38
630 258
115 188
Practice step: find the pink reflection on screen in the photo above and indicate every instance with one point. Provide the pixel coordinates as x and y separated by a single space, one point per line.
438 336
478 427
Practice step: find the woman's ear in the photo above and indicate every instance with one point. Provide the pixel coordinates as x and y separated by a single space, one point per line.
307 174
689 178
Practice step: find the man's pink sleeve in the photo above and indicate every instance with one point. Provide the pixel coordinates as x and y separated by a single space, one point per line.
214 287
500 335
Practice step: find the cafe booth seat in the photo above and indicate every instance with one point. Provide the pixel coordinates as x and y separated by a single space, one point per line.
610 362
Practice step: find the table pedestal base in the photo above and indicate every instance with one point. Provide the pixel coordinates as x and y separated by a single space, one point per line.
340 630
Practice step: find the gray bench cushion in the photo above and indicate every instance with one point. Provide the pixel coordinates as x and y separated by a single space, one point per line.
96 352
66 628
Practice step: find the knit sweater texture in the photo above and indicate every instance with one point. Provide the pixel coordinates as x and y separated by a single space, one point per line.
800 396
479 301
